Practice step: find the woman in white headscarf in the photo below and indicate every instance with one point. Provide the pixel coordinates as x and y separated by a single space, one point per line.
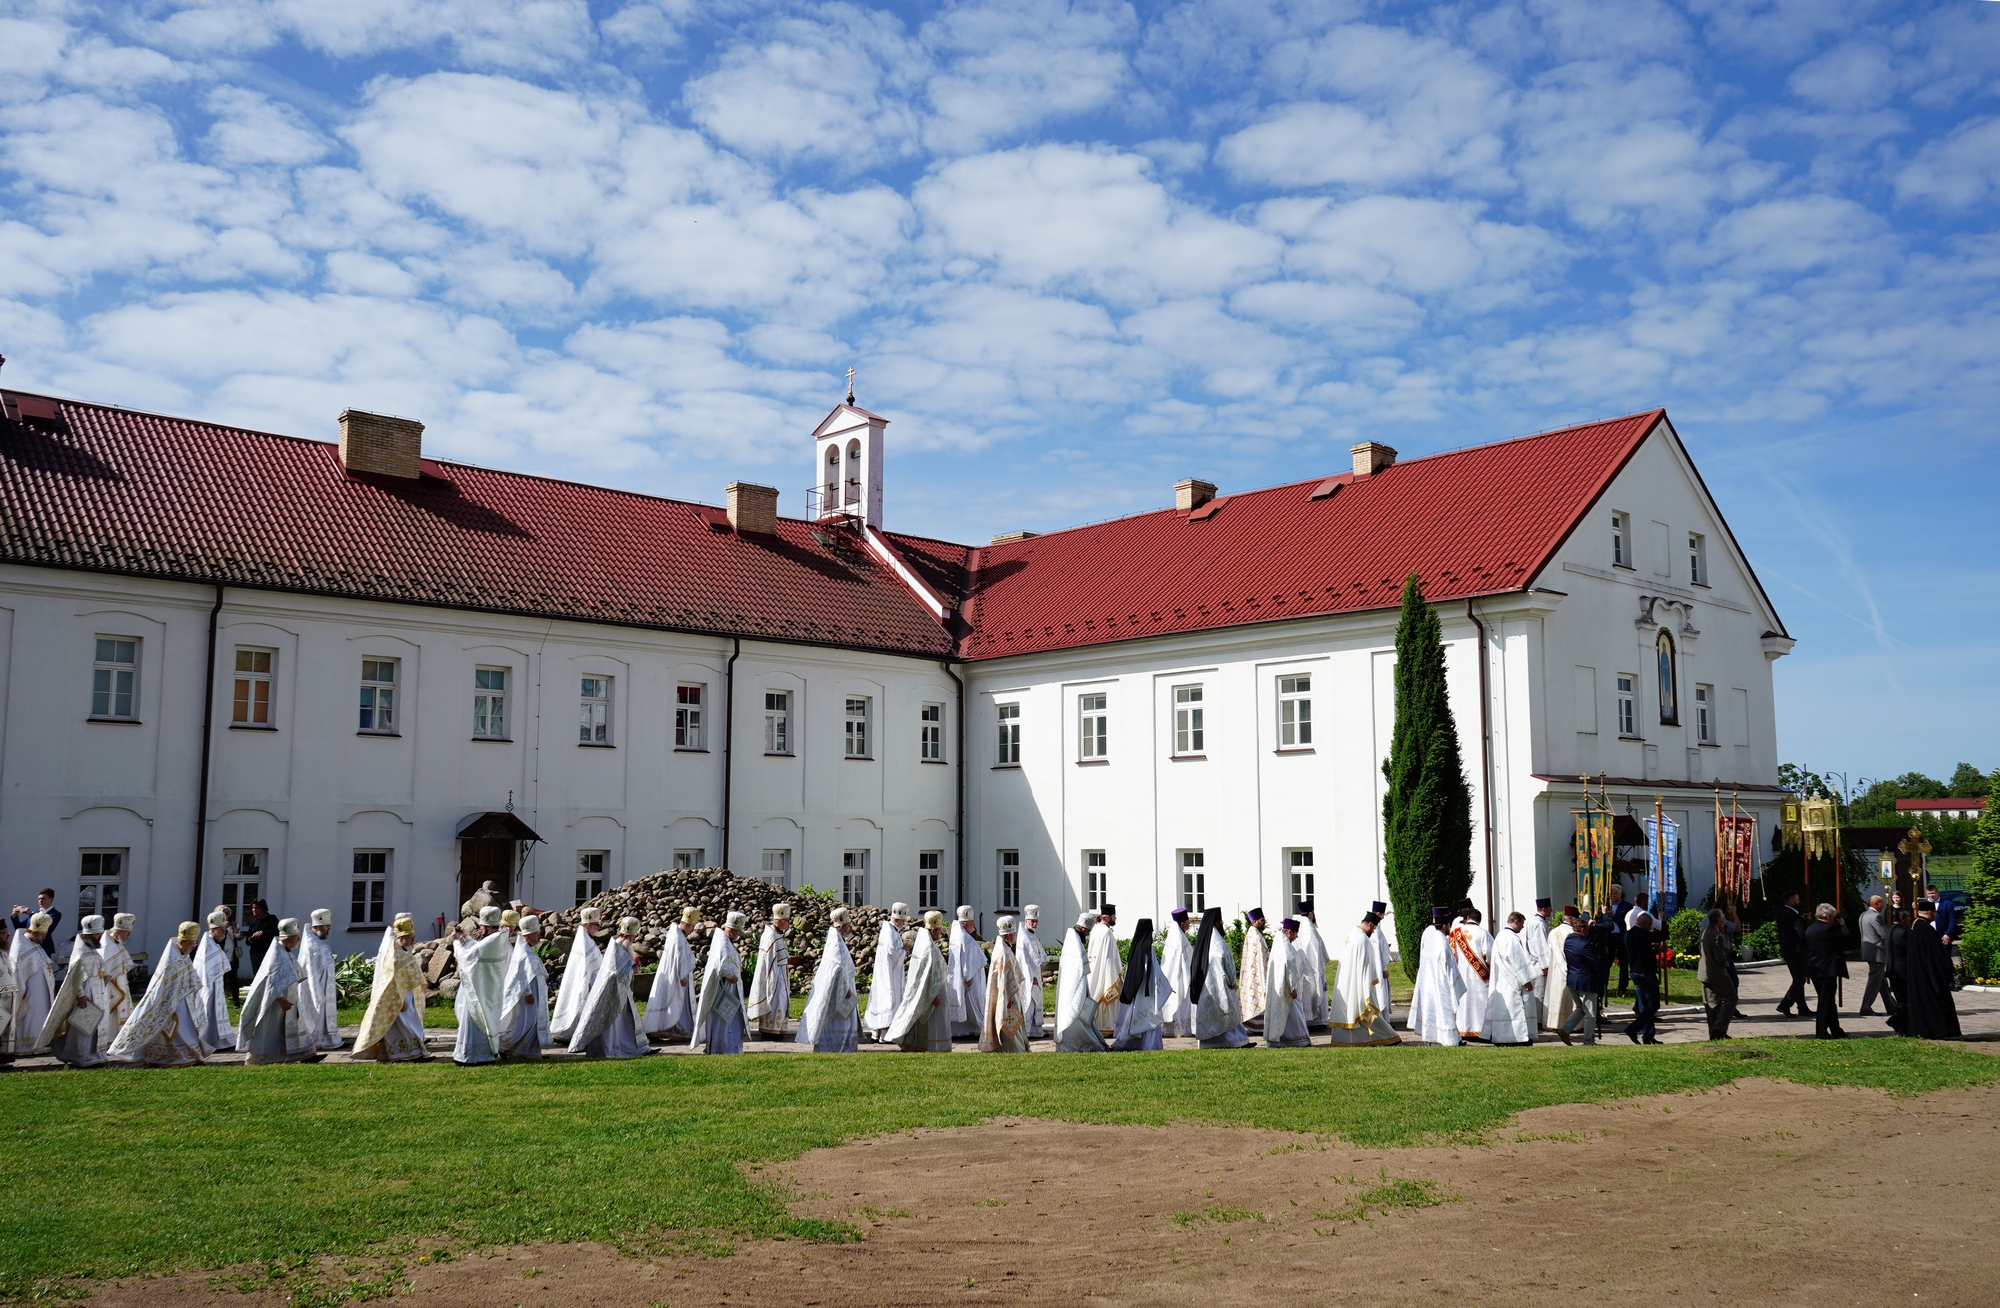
275 1026
831 1023
922 1024
718 1014
1076 1006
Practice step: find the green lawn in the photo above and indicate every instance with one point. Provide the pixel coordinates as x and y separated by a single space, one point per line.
220 1166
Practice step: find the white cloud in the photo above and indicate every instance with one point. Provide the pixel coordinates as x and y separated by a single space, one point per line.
250 129
543 35
1855 75
1009 66
1957 172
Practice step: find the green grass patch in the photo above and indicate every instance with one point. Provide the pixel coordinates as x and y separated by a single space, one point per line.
222 1167
1202 1216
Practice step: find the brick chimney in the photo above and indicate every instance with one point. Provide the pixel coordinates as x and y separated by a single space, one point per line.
1370 457
374 442
1190 494
752 508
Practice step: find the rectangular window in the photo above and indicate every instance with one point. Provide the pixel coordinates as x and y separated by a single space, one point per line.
101 884
1299 863
378 695
1704 714
594 727
1010 878
1094 727
1095 888
1010 733
489 703
242 879
1621 540
778 868
854 877
368 894
1627 716
930 733
857 727
1194 881
686 860
929 862
687 716
114 679
1295 712
590 873
777 722
1697 558
1189 734
250 704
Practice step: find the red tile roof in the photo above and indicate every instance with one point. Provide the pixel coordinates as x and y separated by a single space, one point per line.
1935 805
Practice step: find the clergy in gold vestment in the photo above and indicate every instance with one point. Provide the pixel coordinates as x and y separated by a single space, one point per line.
118 967
392 1030
769 1005
75 1029
1254 980
164 1030
1353 1016
1005 1028
1107 971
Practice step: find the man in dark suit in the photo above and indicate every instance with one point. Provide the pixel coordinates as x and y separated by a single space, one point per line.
260 931
1615 913
1826 942
1792 948
1875 953
45 903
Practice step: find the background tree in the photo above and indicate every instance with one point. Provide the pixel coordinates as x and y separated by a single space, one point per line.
1979 939
1427 810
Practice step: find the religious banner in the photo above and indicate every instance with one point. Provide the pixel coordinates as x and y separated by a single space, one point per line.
1594 856
1791 830
1735 856
1818 821
1662 865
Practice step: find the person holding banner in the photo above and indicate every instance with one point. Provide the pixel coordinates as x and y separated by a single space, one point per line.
1642 949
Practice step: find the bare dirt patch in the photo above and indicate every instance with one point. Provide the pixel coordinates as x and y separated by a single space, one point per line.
1764 1192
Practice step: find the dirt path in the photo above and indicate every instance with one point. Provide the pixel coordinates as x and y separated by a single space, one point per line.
1766 1193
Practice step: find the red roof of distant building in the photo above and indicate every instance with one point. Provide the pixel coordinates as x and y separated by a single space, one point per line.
1936 805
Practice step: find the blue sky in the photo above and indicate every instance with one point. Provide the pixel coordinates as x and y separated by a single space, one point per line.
1076 252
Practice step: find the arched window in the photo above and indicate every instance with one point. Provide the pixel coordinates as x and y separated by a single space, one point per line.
1670 698
832 477
853 472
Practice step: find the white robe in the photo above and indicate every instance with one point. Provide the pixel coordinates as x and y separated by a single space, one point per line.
670 1006
1176 961
1384 1001
482 994
1353 1015
1106 975
118 967
1470 946
1510 1005
1433 1016
718 1012
1287 992
1535 937
7 994
320 991
770 1004
1218 1021
1312 992
921 1024
1004 1014
885 990
578 974
1140 1022
212 1008
831 1023
34 992
965 983
1254 980
1036 960
608 1027
163 1030
1076 1006
1556 996
524 1014
76 1029
276 1023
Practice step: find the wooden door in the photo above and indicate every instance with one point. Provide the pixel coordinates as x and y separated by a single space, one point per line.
485 860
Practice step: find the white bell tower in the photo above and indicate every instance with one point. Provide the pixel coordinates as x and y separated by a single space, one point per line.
847 452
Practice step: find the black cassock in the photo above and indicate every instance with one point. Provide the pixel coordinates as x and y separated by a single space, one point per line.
1927 1010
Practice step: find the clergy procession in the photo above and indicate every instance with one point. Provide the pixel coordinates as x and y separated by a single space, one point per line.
933 984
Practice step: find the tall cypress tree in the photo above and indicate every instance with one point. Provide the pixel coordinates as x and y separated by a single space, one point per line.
1427 809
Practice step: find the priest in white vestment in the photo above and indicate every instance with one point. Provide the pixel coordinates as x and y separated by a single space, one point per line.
1470 946
524 1012
1535 936
1384 1002
211 964
1076 1007
1036 960
718 1011
1253 982
276 1024
965 977
1510 1005
118 967
1218 1021
670 1006
1352 1015
163 1029
7 991
579 972
921 1024
769 1007
321 988
34 984
608 1027
1312 996
482 958
831 1023
1004 1014
1557 1001
1433 1016
392 1030
76 1029
1176 959
1287 984
1107 970
885 987
1142 995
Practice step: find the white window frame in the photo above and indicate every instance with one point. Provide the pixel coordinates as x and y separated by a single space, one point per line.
114 678
690 705
1007 864
368 887
1295 709
930 733
854 877
379 695
1621 540
1697 559
777 868
1193 880
489 703
235 880
251 688
1628 703
590 873
856 739
687 860
930 873
1704 713
1190 721
99 891
778 723
1008 717
1096 880
593 726
1093 726
1300 877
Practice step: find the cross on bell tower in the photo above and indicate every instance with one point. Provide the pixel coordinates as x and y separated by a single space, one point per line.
847 452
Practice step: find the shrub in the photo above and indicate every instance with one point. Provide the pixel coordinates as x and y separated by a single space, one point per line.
354 978
1763 941
1684 931
1979 950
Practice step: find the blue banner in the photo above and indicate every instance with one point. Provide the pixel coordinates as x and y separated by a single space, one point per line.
1663 874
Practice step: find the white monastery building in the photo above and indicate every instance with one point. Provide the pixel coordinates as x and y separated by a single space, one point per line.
236 664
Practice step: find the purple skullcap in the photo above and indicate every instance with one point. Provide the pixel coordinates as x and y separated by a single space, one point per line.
1378 908
1179 915
1290 924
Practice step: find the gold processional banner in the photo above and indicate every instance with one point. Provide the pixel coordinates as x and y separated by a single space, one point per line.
1594 857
